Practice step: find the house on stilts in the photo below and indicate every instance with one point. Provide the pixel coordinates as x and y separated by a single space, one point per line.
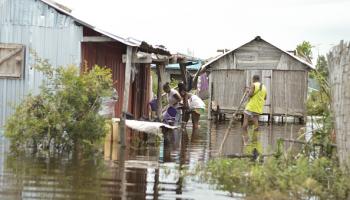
284 75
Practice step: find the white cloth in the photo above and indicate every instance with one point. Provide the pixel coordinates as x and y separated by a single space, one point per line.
195 102
172 101
147 127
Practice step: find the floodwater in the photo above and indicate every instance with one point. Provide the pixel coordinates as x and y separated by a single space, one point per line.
134 173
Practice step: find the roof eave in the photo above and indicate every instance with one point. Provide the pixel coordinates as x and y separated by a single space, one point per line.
309 66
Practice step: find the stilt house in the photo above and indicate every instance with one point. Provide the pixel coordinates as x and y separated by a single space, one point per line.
284 75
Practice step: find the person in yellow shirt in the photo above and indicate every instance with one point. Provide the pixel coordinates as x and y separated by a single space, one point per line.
257 96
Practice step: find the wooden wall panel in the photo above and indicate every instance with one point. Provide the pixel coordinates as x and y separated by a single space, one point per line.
228 86
11 60
289 92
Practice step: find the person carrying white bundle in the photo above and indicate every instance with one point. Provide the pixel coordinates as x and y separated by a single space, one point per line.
193 105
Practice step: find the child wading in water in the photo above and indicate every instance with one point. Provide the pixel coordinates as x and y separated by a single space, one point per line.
192 106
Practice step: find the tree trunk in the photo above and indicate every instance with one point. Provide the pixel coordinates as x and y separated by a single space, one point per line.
339 77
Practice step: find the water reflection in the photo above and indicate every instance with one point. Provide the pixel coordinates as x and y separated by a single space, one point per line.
137 172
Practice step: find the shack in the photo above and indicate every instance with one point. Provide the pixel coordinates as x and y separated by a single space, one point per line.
284 75
55 34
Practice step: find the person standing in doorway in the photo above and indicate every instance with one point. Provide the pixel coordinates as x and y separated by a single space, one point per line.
257 96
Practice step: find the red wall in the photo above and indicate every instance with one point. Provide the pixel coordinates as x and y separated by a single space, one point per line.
109 54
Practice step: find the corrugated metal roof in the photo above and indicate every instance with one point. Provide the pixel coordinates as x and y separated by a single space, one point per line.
129 42
293 56
194 66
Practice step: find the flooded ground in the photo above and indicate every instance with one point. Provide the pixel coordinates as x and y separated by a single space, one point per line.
133 173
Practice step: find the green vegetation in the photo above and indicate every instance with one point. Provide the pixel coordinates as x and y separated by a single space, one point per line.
318 102
282 177
305 49
64 115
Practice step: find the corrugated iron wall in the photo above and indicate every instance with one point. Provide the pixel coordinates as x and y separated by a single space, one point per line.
53 36
140 95
109 54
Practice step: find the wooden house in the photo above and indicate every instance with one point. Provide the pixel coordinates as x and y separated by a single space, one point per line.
284 75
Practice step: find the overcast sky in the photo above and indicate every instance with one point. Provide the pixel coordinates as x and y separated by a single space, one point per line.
205 26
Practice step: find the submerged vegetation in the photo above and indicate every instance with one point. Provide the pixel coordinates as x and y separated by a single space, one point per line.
64 114
283 177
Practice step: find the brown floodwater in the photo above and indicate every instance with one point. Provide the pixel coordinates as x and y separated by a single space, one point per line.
140 172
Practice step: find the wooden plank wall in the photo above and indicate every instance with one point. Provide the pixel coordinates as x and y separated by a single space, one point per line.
11 60
289 92
284 77
228 88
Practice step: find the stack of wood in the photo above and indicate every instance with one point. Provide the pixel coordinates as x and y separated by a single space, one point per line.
339 69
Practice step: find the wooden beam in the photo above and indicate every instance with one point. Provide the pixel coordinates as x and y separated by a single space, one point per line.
184 74
10 46
139 57
10 55
97 39
211 88
129 52
160 73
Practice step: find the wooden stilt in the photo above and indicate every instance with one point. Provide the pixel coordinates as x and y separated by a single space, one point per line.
160 74
282 119
129 53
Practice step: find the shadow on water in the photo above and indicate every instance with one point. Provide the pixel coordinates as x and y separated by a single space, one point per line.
138 172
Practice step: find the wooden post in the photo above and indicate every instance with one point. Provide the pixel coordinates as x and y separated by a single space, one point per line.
160 74
272 104
129 53
339 73
210 96
183 74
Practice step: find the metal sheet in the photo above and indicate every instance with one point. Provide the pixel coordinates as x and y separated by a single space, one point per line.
52 35
109 55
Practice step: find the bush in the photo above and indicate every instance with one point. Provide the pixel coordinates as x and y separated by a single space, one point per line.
279 178
64 113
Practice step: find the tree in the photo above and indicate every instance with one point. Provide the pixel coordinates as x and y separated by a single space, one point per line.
322 67
305 50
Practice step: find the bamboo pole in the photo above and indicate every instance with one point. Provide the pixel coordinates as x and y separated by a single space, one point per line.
231 121
160 73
